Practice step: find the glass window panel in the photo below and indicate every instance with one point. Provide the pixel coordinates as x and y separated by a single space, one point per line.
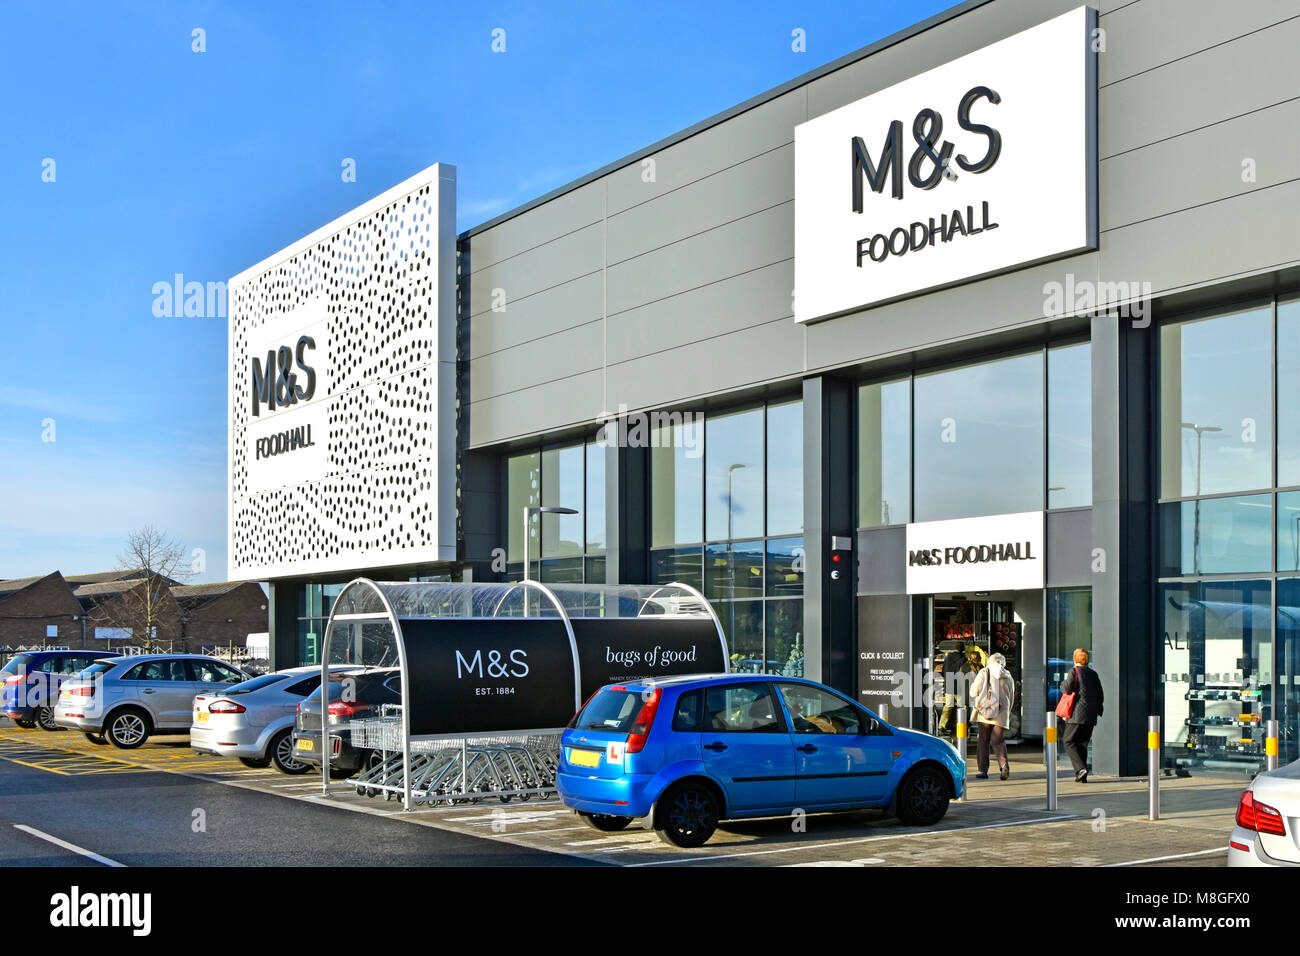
677 484
677 564
595 498
1288 531
562 571
1216 404
1069 626
785 564
1288 392
784 648
596 570
734 571
733 485
1217 672
785 468
1288 669
1216 536
742 621
884 452
979 439
523 489
1069 427
562 483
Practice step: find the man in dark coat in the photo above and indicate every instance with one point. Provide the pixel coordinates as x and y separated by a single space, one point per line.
1087 710
955 679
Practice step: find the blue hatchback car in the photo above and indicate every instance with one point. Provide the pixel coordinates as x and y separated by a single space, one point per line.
687 752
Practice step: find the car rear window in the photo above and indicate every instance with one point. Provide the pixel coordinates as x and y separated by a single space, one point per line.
97 668
257 683
17 664
611 710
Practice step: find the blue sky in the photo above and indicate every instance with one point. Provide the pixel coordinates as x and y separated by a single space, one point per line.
170 161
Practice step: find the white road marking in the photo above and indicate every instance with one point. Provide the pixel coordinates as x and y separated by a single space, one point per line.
39 834
1177 856
837 843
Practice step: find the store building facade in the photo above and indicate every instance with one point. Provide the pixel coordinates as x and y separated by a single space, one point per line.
988 333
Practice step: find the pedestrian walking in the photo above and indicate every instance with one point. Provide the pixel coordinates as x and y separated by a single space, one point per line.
955 680
991 695
1084 711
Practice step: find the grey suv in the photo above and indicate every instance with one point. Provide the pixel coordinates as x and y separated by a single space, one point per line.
125 700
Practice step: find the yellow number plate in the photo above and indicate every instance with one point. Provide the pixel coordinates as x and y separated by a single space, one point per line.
306 744
201 716
584 758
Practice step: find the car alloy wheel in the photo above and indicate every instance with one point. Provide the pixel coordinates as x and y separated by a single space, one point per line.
282 755
689 815
923 797
128 730
45 718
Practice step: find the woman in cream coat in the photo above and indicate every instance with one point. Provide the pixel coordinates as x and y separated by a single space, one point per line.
993 726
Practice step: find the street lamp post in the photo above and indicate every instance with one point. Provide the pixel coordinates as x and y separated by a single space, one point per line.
731 554
1196 520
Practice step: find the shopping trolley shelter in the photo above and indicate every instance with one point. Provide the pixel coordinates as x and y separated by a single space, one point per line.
492 672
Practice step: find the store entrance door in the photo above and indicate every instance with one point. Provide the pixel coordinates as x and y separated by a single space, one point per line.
974 626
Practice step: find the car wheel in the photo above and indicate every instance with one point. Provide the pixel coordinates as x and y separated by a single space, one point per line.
688 815
923 797
281 751
25 724
128 728
257 763
45 718
98 739
605 823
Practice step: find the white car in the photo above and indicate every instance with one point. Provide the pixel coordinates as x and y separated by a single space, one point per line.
1268 821
253 721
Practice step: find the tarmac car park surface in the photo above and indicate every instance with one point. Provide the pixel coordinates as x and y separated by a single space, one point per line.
138 808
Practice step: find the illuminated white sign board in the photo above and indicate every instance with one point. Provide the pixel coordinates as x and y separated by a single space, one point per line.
990 553
979 166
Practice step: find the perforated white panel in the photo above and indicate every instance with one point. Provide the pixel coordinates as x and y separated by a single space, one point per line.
382 491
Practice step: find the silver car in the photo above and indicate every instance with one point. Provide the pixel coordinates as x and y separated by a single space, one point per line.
254 720
126 700
1268 821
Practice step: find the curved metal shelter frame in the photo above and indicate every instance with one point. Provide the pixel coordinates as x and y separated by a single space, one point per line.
363 601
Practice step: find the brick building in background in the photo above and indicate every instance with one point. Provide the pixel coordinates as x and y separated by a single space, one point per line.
79 611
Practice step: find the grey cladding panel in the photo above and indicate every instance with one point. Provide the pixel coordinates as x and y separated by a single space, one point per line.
558 356
535 410
1234 237
549 221
1201 166
723 197
750 243
1246 74
753 298
535 316
716 365
1139 36
576 254
882 561
964 311
1069 548
753 132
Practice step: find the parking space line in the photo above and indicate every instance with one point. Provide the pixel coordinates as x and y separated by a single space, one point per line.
837 843
1176 856
39 834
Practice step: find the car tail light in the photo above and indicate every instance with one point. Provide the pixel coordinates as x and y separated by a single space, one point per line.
345 709
1260 817
14 679
226 707
87 690
644 721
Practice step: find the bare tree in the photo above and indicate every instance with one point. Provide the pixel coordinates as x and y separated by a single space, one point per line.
159 560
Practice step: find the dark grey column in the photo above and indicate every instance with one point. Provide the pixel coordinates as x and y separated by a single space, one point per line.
830 638
482 539
1125 638
627 515
282 614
